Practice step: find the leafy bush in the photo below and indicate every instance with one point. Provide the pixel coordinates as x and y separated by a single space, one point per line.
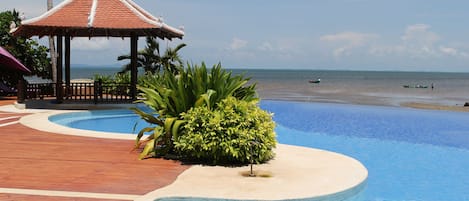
236 132
117 84
171 95
104 78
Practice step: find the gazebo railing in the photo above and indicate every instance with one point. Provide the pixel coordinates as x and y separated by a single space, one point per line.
89 92
79 92
112 93
40 90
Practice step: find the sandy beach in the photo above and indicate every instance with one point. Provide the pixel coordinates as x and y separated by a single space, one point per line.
359 93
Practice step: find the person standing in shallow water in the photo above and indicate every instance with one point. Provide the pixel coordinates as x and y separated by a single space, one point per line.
433 86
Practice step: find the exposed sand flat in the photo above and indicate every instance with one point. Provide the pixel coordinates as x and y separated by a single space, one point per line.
428 106
296 172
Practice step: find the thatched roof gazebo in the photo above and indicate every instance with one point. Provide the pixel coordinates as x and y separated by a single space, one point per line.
95 18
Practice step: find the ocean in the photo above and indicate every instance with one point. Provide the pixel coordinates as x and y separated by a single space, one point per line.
356 87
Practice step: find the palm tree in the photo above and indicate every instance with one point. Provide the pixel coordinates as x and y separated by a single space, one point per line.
171 59
151 60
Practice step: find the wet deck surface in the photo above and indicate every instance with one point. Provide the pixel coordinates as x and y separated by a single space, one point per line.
37 160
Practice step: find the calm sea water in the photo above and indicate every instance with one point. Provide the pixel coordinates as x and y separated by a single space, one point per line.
359 87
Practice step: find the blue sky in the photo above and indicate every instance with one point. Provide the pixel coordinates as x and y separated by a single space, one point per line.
409 35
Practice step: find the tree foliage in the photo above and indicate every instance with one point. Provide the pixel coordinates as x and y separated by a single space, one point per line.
28 51
152 61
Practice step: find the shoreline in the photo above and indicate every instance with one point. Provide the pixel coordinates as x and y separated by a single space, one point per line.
372 102
410 104
429 100
428 106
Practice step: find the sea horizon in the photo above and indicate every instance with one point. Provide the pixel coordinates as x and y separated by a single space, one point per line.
343 86
117 66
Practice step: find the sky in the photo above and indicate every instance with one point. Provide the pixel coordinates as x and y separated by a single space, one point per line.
381 35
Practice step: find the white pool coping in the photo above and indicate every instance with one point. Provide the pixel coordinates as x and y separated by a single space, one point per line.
40 121
296 172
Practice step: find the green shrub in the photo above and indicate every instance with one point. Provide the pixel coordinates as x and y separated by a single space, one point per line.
235 133
171 95
104 78
117 84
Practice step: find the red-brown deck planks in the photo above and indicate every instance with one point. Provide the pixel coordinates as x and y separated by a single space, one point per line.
32 159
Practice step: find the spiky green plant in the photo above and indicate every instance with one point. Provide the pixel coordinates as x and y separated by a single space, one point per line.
172 95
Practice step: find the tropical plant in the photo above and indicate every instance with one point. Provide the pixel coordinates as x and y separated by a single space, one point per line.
171 95
122 78
151 60
237 132
116 84
149 77
171 61
103 78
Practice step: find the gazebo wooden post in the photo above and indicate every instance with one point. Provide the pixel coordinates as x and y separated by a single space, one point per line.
133 65
58 84
67 65
21 88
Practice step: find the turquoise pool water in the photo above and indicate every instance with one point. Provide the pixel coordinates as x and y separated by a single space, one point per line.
410 154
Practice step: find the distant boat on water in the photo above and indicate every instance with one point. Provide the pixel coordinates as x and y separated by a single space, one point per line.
418 86
315 81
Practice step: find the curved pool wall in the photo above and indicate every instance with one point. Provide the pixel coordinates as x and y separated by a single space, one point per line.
410 154
115 120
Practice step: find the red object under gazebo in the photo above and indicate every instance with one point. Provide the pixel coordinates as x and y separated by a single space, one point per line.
96 18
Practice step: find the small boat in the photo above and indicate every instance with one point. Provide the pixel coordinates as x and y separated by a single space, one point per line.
315 81
418 86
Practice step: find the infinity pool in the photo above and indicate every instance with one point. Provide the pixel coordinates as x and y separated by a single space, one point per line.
410 154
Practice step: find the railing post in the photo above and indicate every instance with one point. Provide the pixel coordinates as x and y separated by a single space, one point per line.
98 90
95 92
21 90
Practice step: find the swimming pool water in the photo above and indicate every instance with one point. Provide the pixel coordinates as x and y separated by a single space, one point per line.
116 121
410 154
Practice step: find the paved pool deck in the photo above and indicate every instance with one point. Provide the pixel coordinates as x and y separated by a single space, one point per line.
44 161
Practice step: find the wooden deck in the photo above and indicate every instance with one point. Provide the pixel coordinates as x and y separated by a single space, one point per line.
36 160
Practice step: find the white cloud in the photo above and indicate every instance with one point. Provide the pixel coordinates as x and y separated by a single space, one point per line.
281 45
266 46
351 38
237 44
346 41
96 44
418 41
419 34
449 50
